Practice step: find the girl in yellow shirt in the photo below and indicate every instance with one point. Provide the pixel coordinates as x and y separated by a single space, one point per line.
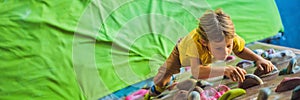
213 40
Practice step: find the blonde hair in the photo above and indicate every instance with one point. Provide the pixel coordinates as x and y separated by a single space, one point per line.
215 26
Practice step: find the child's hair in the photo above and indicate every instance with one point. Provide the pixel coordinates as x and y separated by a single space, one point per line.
214 26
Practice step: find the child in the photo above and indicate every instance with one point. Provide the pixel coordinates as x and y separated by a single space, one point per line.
213 40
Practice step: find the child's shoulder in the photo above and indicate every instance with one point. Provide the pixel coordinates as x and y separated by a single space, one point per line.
237 38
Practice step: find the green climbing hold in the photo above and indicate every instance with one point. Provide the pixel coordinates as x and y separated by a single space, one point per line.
233 93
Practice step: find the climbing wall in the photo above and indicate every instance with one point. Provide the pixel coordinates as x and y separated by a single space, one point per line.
251 93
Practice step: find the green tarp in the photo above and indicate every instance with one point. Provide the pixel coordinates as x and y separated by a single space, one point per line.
75 49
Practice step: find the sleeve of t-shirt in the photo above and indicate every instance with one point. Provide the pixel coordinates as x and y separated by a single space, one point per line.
192 50
238 44
189 46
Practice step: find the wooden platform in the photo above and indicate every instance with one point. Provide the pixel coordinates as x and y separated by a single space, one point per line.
252 92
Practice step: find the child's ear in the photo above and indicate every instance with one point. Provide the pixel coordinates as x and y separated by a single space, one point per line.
203 42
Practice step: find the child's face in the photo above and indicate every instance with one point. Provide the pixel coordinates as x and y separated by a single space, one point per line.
220 50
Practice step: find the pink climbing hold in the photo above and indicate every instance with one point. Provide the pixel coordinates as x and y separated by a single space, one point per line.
288 84
230 58
136 95
214 93
221 90
271 51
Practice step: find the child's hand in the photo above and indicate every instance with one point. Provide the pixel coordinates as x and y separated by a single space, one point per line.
235 73
264 65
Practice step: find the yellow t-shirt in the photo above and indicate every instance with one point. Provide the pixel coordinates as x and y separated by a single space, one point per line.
190 46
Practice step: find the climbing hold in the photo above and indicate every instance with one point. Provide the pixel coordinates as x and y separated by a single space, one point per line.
292 68
271 51
250 81
283 54
265 55
245 64
296 92
201 92
203 84
186 84
263 74
181 95
147 96
197 89
194 95
230 58
258 51
221 89
288 84
264 93
233 93
136 95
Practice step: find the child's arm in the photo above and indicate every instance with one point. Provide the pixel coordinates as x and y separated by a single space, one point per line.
261 63
203 72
